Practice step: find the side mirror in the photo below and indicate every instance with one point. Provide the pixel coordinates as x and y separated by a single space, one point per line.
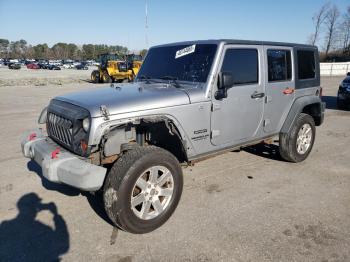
225 81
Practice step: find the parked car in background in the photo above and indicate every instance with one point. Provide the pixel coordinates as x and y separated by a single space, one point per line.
33 66
14 61
6 61
29 61
68 66
14 66
82 66
343 97
53 67
43 65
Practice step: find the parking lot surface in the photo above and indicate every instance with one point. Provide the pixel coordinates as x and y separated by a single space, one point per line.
238 206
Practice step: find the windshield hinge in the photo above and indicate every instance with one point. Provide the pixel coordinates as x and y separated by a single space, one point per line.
104 112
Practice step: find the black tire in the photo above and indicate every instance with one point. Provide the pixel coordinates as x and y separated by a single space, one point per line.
120 182
95 76
288 141
106 78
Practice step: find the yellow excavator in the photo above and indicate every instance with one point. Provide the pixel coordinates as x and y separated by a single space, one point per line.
116 68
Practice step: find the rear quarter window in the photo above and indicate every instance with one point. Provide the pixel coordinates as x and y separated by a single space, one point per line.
306 64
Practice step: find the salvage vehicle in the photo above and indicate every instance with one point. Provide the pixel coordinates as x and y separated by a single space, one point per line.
53 67
68 65
190 100
33 66
14 66
82 66
343 97
116 68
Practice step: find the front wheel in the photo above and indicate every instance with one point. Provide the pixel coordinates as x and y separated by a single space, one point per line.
296 145
142 189
95 76
106 78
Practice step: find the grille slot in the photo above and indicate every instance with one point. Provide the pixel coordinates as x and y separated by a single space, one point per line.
60 128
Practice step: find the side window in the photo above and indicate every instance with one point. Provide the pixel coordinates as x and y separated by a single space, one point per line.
243 64
306 64
279 65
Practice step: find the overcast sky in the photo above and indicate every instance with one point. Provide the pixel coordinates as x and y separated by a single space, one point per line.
118 22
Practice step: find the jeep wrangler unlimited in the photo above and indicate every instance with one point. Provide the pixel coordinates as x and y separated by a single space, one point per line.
190 100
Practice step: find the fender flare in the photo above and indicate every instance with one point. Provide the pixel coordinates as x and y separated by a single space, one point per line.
298 106
105 127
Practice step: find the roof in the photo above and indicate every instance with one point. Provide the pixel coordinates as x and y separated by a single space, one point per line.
240 42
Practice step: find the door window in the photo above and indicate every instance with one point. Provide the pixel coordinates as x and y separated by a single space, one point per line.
306 64
243 65
279 65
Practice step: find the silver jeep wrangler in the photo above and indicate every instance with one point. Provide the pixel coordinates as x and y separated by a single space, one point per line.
190 100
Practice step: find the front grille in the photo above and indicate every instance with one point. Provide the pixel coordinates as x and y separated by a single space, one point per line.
60 128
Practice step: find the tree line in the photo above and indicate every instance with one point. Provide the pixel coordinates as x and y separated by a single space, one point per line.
332 33
21 49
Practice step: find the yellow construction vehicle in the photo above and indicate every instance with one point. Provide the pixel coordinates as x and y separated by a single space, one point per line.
116 68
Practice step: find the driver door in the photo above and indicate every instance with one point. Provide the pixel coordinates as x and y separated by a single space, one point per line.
238 117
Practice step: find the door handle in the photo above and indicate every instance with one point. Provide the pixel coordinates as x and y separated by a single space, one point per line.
257 95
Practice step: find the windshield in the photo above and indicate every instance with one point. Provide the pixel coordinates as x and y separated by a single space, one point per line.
132 58
180 62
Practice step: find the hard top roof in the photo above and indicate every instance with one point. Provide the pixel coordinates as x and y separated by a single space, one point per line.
239 42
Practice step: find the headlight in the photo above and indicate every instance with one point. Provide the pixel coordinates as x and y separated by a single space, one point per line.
86 124
43 116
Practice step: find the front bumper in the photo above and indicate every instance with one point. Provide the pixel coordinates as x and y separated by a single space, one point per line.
60 166
344 96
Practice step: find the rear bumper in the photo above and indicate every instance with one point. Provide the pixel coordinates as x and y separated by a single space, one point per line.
63 167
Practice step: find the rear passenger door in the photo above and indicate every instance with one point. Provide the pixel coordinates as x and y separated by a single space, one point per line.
279 85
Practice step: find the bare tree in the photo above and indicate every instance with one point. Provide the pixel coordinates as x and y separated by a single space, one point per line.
319 19
331 26
345 31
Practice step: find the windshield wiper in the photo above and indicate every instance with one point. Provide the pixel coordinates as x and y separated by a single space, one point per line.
173 79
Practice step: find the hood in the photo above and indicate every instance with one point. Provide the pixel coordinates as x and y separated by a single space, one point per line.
124 98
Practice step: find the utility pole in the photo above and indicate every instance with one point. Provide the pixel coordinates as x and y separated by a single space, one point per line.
146 24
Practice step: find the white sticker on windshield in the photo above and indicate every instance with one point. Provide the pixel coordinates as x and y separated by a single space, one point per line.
185 51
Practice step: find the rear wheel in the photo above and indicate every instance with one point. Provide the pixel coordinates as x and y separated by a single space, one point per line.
142 189
95 76
296 145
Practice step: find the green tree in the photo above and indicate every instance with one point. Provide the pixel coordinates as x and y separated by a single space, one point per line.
41 51
4 44
143 52
88 51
